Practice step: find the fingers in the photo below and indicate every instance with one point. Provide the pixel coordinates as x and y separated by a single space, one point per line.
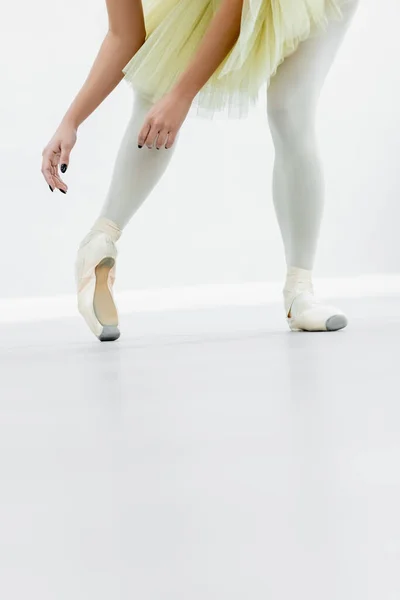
152 134
162 139
171 139
47 172
59 183
50 171
155 135
143 134
64 158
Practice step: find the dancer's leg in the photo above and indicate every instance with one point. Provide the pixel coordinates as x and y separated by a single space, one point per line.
136 173
298 186
298 183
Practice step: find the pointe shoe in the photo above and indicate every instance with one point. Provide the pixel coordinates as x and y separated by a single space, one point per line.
95 276
303 311
308 314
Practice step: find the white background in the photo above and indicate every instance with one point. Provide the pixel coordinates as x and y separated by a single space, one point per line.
211 220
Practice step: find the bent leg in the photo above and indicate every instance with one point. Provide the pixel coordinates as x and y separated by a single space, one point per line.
136 171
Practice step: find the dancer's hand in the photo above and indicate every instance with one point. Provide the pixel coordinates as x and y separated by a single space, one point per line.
56 154
164 121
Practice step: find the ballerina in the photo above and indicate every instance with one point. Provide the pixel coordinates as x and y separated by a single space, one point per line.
217 54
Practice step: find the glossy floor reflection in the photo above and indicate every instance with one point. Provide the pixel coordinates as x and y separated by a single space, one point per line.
203 456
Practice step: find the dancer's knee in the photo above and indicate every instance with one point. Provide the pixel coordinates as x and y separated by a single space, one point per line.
290 119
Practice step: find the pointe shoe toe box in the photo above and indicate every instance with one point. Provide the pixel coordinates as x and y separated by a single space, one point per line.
319 318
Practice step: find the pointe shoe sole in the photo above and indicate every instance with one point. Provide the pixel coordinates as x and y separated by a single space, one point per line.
103 303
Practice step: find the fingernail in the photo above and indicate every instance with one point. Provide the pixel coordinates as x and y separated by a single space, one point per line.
140 146
63 168
62 191
51 188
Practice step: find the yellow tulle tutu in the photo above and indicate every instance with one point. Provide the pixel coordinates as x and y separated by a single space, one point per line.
271 30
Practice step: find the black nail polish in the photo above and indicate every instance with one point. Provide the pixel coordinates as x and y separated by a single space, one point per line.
64 167
51 188
62 191
140 146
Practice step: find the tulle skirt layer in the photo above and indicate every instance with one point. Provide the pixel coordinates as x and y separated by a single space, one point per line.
271 30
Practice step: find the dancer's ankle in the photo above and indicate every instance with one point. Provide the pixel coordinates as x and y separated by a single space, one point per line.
105 225
298 280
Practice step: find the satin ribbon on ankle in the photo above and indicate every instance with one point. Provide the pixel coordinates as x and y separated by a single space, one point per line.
108 227
298 281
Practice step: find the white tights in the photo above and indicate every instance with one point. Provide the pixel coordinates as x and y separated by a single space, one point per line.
298 182
136 171
298 185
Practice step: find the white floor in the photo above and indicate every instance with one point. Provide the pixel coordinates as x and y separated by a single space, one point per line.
206 455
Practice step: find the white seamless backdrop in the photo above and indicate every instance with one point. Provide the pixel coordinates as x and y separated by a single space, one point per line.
211 220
